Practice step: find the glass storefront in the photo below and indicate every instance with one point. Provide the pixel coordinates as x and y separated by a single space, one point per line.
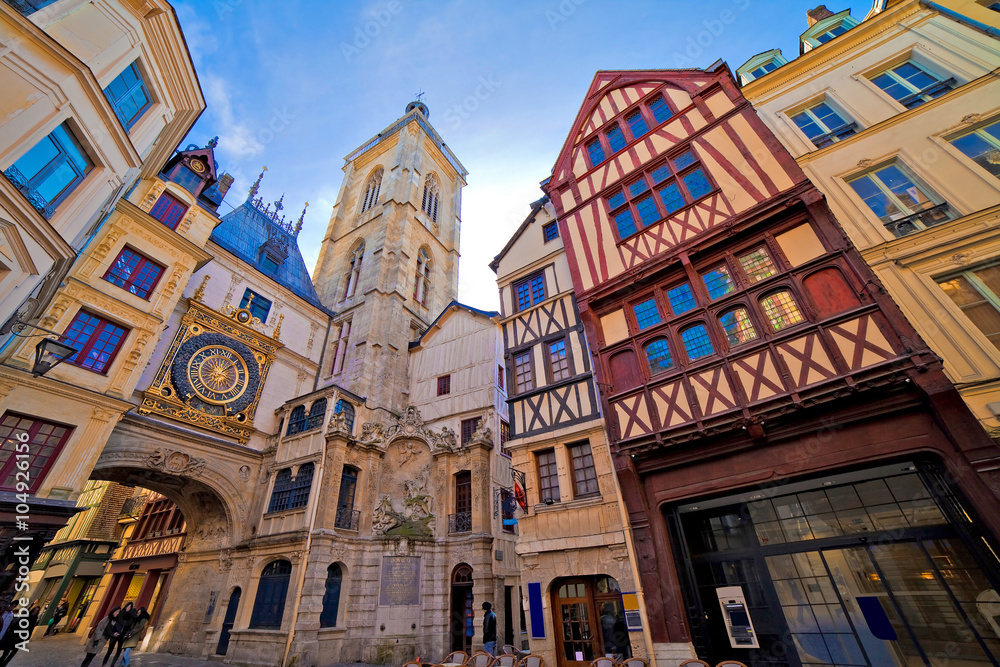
882 567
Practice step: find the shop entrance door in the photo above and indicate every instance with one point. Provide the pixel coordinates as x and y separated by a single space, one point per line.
578 624
227 623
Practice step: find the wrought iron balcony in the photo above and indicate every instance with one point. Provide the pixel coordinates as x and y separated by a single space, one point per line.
460 522
922 219
836 134
936 89
132 507
21 182
347 519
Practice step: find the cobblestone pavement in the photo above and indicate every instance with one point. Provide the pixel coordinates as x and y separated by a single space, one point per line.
67 651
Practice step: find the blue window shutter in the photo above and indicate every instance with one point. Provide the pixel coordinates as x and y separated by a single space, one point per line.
537 614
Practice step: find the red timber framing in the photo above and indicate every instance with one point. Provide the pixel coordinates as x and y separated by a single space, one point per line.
802 366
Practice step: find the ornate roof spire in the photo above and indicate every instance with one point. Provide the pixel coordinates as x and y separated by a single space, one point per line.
298 225
278 205
213 142
256 185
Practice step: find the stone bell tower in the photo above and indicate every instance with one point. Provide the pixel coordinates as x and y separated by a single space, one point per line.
389 261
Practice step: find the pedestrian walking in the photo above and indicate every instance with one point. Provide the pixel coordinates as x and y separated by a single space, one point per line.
489 629
8 638
122 625
133 636
101 635
57 616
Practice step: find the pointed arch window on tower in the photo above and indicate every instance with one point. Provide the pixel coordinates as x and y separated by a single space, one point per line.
371 190
432 195
354 271
421 283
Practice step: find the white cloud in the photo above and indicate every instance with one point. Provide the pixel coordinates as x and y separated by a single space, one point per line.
236 139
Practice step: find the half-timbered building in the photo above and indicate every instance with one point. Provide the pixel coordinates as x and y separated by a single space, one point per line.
574 549
803 483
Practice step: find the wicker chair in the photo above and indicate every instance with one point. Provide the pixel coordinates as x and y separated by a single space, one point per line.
505 660
508 649
412 663
694 662
456 658
531 661
730 663
633 662
480 659
603 662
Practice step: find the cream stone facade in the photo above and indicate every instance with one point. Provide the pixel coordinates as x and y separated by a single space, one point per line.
931 249
574 544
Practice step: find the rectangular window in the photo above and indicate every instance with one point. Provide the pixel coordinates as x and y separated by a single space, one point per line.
504 437
128 95
977 293
911 85
681 298
530 291
781 310
522 372
646 314
134 272
675 183
982 146
718 282
595 151
340 352
584 475
636 124
758 265
51 170
444 385
469 428
29 7
169 210
500 378
463 492
187 179
661 110
259 306
697 342
902 205
44 440
616 138
548 476
558 361
550 231
97 340
823 125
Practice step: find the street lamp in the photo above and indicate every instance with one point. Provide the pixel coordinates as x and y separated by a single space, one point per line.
49 353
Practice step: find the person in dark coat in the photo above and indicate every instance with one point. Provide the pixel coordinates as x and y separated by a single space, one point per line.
8 638
134 635
101 635
57 616
122 626
489 629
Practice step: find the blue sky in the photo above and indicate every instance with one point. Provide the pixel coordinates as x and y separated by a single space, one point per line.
299 84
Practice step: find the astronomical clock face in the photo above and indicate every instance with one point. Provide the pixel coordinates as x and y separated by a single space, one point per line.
217 374
197 165
213 369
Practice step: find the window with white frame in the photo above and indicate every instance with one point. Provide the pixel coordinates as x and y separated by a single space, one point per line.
823 124
977 294
982 145
911 84
902 204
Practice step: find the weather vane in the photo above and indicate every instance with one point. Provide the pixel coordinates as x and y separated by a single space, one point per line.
419 95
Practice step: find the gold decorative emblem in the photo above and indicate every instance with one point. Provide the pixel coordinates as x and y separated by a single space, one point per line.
217 374
197 166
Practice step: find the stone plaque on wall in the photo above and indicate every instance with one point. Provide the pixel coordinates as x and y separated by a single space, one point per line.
400 583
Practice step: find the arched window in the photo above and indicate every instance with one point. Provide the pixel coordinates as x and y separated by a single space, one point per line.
781 310
738 326
269 606
371 190
347 517
422 281
331 597
432 194
697 342
291 492
345 408
297 420
658 355
354 270
316 414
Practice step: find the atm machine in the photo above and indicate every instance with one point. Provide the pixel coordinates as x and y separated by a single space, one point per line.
737 617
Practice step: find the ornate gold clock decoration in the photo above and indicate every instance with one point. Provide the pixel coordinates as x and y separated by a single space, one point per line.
214 371
197 166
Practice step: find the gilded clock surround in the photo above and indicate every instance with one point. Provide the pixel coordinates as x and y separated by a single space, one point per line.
214 371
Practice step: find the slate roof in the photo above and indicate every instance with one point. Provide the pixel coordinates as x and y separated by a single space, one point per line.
247 229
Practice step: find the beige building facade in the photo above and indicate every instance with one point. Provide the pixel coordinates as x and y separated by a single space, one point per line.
896 120
581 596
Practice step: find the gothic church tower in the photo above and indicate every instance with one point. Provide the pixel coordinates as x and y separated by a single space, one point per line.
389 261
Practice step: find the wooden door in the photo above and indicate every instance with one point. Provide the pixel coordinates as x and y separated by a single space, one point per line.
227 624
577 624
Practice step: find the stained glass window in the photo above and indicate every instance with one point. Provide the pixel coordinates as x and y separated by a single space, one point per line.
718 281
738 326
681 298
697 342
757 264
781 310
646 313
658 356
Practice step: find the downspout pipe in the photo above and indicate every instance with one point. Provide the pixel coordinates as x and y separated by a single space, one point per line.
962 18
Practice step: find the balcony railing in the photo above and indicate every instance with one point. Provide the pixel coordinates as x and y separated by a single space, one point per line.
347 519
21 182
132 507
922 219
936 89
836 134
460 522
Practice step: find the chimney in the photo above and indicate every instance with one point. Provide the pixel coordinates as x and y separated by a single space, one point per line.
814 16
